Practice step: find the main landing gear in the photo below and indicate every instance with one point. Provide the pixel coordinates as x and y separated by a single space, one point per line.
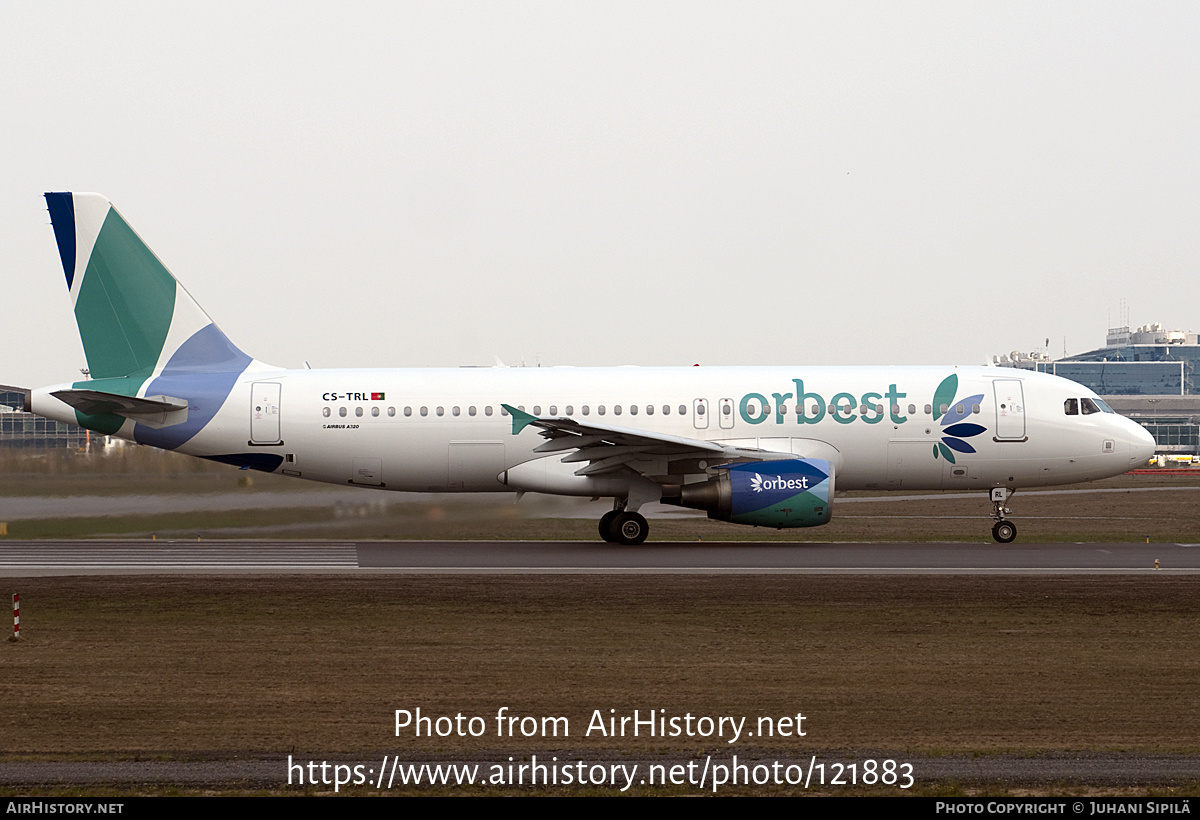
621 527
1004 531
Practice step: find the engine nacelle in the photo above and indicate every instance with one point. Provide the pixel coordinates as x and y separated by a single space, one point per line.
785 493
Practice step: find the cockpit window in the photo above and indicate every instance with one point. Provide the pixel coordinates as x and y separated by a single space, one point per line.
1088 406
1104 406
1071 407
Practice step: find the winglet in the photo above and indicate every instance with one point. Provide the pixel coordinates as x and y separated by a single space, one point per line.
520 418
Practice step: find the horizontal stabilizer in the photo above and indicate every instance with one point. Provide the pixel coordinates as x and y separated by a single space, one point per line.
95 402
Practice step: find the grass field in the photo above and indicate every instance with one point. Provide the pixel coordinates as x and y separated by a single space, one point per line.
316 666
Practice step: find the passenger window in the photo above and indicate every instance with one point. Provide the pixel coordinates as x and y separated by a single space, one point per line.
975 409
666 409
441 411
325 412
503 411
487 410
424 411
454 410
960 410
570 410
700 410
943 409
912 409
725 409
342 412
928 409
358 412
471 410
374 411
407 411
1071 407
600 409
585 409
537 409
895 409
617 410
649 409
683 410
554 409
391 411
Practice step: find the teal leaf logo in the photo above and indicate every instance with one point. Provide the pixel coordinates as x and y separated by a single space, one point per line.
954 429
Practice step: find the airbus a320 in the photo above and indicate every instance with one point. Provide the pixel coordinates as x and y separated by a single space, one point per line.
763 446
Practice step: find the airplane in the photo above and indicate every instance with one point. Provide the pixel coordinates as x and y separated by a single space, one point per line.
761 446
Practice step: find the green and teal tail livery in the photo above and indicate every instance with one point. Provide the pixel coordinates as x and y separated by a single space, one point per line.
143 335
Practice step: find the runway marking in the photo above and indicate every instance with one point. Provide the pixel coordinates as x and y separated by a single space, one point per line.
172 555
778 571
1022 518
935 494
116 557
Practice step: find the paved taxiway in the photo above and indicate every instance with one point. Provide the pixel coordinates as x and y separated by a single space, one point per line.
129 556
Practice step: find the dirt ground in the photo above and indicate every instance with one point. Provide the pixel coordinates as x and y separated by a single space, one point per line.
158 666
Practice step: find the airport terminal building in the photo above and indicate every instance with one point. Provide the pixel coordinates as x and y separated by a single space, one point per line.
21 429
1148 374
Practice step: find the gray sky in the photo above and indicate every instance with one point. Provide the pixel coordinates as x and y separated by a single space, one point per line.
400 184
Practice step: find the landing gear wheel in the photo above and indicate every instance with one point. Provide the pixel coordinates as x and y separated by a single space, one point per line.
630 528
606 530
1004 532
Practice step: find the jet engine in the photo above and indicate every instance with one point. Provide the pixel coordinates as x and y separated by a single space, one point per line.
785 493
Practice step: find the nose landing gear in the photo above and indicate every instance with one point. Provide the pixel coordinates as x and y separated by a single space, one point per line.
1004 531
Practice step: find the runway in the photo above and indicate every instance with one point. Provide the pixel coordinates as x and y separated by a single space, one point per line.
131 557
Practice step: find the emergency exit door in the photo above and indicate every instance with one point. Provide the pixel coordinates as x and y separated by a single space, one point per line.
264 413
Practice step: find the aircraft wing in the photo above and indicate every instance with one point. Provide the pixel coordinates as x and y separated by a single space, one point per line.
607 448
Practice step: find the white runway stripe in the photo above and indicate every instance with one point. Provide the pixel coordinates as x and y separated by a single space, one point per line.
178 555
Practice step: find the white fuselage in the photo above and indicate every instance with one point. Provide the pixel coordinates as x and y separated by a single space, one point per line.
444 429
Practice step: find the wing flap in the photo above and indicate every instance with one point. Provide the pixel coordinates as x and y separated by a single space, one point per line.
607 448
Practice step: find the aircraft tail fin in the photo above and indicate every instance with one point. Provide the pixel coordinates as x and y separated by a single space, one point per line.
154 357
134 318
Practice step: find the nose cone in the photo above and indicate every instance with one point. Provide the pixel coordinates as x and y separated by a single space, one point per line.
1141 444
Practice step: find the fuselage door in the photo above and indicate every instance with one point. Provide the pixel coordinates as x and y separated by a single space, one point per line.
726 416
1010 410
264 413
700 413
